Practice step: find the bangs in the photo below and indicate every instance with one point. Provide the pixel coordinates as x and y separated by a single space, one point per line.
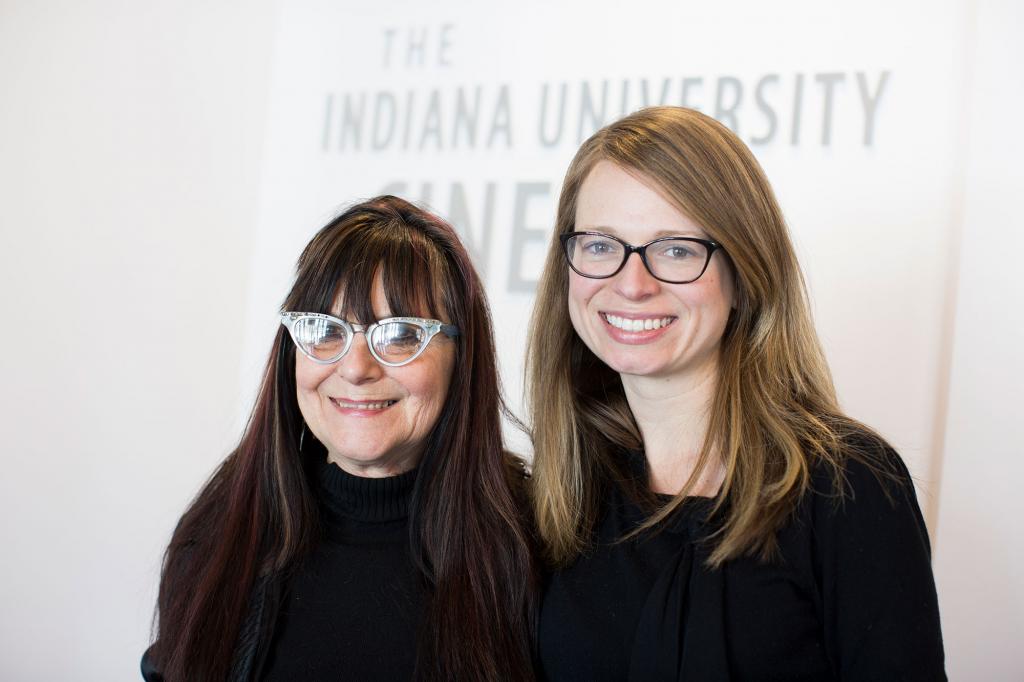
342 262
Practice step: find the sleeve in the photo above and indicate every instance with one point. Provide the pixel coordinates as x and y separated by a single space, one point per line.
878 600
149 671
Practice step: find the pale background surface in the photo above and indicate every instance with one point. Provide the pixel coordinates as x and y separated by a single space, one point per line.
162 165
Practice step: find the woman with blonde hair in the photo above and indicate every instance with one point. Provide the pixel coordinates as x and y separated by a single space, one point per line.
707 510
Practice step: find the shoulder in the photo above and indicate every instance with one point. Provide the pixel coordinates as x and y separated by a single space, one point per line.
865 469
872 563
518 471
518 474
865 497
519 468
150 671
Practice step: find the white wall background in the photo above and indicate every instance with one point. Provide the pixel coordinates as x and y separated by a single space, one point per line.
979 553
140 163
130 137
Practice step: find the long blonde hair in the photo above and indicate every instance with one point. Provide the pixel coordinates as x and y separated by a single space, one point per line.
774 411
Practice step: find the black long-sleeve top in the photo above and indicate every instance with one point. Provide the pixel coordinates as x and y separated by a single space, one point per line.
353 607
851 596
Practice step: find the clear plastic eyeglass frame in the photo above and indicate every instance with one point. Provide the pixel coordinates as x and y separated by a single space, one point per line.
430 328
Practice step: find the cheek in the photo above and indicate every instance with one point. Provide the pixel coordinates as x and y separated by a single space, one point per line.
429 382
722 280
581 290
711 300
309 375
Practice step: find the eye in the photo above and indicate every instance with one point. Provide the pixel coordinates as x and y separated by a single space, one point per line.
406 339
397 337
677 252
318 332
597 247
319 338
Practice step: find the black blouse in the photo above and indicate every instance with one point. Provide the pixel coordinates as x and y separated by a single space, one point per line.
850 598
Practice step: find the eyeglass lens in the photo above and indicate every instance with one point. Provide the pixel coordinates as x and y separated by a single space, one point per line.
319 338
397 341
670 259
391 342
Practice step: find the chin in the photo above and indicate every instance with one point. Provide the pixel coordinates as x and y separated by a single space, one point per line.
630 364
368 456
363 458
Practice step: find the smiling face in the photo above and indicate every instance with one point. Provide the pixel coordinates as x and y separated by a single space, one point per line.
634 323
374 420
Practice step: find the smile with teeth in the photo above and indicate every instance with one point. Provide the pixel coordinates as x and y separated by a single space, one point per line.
350 405
630 324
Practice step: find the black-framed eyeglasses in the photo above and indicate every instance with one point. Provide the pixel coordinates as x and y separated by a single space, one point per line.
394 342
673 260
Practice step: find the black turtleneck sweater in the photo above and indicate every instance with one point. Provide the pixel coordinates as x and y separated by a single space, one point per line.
353 606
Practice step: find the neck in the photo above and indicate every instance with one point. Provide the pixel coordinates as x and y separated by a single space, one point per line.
672 413
394 466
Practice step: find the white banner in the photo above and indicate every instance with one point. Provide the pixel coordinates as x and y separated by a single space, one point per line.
475 109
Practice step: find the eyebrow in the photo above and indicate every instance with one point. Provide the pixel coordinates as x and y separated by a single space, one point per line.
657 235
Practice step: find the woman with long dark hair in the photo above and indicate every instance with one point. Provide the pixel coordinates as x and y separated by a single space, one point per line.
707 509
368 524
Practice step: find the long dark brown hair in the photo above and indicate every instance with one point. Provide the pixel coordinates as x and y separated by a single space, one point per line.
257 515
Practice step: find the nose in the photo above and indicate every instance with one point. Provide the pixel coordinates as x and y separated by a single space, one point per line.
359 366
634 282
